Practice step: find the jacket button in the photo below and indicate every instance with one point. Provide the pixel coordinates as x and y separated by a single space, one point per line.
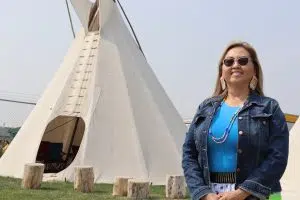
241 133
240 151
238 170
264 122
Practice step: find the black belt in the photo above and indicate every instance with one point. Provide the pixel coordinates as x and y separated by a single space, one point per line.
222 177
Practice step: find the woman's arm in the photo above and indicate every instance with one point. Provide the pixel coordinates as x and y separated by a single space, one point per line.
192 170
272 168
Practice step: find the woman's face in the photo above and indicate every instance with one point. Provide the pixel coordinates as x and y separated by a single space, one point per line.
238 68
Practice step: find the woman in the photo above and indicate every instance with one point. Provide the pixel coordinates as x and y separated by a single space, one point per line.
237 145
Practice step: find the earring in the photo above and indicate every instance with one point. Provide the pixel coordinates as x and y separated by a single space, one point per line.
223 83
253 83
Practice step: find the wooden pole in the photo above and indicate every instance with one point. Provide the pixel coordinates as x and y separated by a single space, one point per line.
84 179
175 187
138 189
33 175
120 186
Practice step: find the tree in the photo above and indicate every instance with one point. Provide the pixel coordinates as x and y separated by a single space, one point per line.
13 131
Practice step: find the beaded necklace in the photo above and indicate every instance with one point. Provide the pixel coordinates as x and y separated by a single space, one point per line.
223 138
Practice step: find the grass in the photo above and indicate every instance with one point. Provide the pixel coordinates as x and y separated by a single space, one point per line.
10 189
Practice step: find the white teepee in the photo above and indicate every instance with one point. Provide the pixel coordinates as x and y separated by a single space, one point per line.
104 103
291 177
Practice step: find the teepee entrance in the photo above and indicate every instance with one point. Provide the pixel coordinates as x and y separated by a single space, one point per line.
60 143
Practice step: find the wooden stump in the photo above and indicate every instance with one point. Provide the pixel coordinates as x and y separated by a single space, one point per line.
84 178
33 175
138 189
120 186
175 187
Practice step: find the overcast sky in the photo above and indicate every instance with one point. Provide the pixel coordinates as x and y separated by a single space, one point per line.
182 40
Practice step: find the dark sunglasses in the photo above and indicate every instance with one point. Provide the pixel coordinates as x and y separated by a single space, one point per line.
228 62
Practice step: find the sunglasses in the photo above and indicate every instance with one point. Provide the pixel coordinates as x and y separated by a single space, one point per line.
228 62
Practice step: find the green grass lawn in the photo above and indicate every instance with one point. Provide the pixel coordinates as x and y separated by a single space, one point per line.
10 189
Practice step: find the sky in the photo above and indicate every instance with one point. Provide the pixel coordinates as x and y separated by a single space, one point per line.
182 40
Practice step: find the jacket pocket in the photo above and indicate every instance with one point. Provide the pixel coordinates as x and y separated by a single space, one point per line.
261 121
260 132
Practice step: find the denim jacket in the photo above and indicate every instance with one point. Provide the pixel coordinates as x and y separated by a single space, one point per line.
262 149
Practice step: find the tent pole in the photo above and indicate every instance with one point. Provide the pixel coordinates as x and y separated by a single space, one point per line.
72 139
70 18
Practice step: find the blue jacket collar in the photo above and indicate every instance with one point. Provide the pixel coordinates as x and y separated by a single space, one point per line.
254 98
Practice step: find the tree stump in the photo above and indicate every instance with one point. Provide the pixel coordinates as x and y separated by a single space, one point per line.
138 189
84 178
33 175
175 187
120 186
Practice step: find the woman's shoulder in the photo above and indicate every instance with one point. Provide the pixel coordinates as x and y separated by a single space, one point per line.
207 104
266 100
210 100
269 104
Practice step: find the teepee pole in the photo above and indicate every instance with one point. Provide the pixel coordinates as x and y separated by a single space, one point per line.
72 139
135 37
70 18
16 101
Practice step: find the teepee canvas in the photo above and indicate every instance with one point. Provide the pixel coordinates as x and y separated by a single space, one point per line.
104 108
291 177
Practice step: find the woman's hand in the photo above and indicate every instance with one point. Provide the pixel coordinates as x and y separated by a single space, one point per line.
210 196
234 195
